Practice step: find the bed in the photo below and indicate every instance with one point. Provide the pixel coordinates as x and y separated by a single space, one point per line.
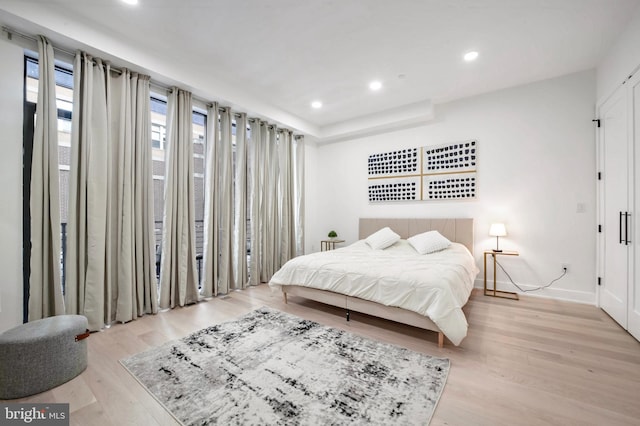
397 283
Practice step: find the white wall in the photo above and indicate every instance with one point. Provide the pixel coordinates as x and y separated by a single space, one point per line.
536 151
11 86
621 59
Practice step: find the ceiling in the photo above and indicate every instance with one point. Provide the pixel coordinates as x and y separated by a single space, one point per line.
273 57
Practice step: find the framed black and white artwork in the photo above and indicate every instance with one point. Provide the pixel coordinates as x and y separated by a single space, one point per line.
439 172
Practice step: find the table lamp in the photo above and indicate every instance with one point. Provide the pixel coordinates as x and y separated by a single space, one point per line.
497 230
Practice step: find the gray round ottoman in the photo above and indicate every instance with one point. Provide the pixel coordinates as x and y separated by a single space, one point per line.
42 354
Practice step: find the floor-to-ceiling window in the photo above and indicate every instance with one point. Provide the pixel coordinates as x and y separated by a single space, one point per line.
64 100
64 94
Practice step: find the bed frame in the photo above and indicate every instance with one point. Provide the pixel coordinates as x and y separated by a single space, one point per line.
457 230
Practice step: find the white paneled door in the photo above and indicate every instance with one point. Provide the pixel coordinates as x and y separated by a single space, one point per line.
619 205
614 151
633 311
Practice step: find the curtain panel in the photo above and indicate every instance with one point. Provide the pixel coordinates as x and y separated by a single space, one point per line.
88 260
240 272
225 203
275 200
298 190
110 259
285 187
137 289
178 273
45 291
256 182
210 257
218 272
270 248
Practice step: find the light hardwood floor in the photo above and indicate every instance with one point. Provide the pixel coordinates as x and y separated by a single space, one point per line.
527 362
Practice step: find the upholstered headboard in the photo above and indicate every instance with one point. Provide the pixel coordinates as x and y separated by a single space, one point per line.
457 230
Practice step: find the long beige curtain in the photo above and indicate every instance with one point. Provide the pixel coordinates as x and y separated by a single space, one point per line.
298 191
240 205
210 258
218 271
88 289
285 188
178 273
275 199
270 249
225 203
110 262
45 291
131 166
256 181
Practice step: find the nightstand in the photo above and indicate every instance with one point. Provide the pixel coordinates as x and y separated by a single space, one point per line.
326 245
493 292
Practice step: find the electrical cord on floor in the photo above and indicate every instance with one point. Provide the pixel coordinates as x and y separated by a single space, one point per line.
531 289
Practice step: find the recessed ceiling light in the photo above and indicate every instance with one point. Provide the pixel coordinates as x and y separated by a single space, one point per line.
316 104
470 56
375 85
133 2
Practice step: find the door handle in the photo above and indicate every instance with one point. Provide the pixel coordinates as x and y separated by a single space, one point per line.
626 228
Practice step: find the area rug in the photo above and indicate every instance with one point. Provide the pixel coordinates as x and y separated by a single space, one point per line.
269 367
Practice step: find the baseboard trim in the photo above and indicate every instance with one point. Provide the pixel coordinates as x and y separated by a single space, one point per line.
585 297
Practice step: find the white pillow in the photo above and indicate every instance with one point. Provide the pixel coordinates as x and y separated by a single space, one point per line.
429 242
382 238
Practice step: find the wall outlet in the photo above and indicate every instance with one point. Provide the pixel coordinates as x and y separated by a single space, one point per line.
565 267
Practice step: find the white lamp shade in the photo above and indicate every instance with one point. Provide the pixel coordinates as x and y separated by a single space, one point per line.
497 230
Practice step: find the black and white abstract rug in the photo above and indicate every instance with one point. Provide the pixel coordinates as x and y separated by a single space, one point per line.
269 367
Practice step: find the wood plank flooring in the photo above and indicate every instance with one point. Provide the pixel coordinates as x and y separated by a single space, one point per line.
528 362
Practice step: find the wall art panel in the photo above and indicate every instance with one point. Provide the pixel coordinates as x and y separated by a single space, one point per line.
394 189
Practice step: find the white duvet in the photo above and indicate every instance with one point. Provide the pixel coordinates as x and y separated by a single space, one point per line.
436 285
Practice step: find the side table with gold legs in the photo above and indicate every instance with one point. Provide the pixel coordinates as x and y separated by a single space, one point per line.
326 245
492 291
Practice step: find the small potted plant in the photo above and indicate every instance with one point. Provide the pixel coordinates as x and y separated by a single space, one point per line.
332 234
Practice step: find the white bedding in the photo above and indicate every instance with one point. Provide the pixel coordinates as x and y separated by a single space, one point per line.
436 285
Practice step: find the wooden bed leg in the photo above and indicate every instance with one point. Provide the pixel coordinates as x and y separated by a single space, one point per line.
285 297
440 339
